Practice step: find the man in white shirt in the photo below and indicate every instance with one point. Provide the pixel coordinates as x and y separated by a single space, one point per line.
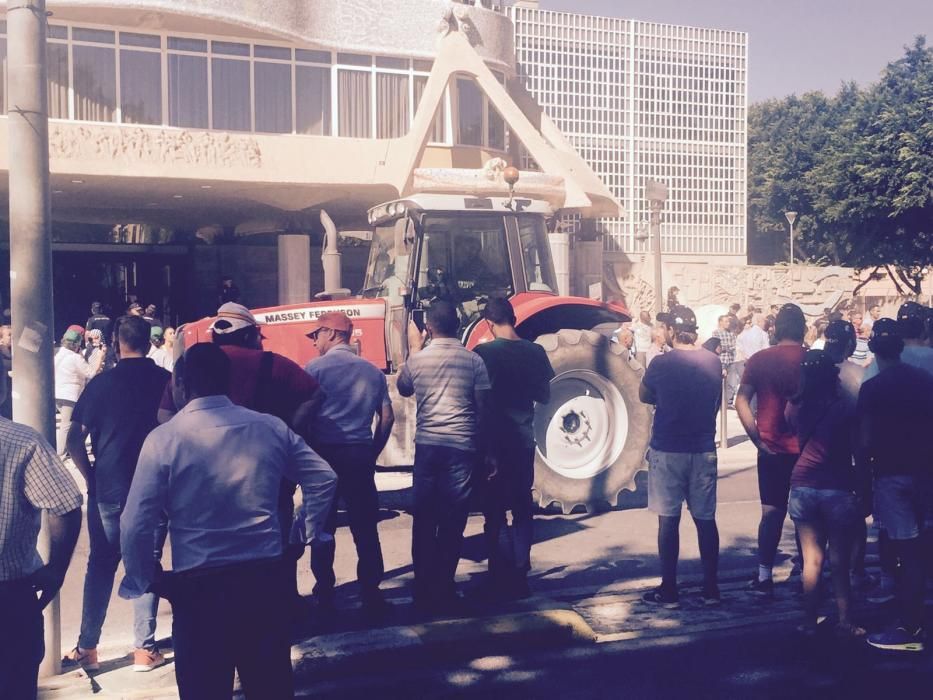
215 470
753 339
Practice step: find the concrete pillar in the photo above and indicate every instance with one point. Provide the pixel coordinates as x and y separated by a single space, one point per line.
31 249
560 254
294 268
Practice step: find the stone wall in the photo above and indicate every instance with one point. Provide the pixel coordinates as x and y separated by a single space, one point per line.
701 284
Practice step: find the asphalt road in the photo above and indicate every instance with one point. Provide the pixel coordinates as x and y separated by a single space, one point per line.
770 662
577 553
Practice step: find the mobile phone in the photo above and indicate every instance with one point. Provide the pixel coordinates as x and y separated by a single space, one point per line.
417 315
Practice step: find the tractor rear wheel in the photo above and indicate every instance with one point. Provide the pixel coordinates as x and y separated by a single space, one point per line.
592 435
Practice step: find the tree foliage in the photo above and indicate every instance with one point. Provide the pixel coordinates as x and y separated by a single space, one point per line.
858 167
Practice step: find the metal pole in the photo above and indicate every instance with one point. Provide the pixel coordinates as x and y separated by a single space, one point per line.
31 248
655 222
791 243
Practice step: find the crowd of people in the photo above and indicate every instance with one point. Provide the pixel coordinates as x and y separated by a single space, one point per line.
209 450
841 435
210 455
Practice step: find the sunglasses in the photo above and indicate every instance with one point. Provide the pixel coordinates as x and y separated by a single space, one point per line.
314 334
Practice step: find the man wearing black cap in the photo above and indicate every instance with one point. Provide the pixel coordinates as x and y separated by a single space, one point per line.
895 418
98 319
685 386
912 328
772 376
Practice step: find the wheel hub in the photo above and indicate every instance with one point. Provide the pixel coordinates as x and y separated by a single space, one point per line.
582 430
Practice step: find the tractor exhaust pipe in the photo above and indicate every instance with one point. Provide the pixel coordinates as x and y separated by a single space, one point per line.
330 258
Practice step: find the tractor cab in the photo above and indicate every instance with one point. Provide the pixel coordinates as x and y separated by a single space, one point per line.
459 249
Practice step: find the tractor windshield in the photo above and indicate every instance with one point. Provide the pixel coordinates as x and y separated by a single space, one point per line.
464 260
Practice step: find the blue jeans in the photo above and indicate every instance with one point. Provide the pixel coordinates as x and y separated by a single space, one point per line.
103 527
441 488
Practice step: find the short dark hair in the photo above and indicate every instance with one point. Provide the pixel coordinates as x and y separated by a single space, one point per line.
133 331
499 311
685 337
442 317
790 323
204 370
244 337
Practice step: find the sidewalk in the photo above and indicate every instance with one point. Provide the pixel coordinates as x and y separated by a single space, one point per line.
590 571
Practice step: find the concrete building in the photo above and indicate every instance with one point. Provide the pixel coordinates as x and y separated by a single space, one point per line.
196 139
641 100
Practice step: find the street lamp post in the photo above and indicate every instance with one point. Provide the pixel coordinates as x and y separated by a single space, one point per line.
656 193
791 217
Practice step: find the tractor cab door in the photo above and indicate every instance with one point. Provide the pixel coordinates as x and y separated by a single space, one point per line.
464 258
388 273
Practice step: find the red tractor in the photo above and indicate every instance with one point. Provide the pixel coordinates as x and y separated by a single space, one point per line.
592 435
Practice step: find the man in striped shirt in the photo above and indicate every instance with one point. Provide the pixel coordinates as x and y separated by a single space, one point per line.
449 384
32 479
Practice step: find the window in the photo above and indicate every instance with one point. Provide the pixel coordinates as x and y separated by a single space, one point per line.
312 100
392 118
273 104
230 94
140 87
187 91
95 81
57 60
440 117
3 95
354 104
470 113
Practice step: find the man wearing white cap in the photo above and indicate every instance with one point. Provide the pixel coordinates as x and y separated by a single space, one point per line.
261 381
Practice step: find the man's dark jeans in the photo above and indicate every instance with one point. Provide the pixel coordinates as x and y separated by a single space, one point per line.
24 646
103 527
232 618
442 486
355 466
509 548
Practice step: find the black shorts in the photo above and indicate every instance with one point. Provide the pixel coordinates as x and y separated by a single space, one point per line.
774 478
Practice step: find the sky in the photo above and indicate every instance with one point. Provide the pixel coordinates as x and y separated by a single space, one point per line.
795 46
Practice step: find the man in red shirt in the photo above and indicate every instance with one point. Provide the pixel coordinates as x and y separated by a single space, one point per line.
262 381
771 377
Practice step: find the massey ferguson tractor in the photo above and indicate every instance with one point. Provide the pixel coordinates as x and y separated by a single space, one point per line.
592 435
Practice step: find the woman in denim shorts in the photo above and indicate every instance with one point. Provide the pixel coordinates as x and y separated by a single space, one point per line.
822 503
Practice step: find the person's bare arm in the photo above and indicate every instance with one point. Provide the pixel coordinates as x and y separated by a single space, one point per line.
74 442
63 531
385 419
646 394
743 407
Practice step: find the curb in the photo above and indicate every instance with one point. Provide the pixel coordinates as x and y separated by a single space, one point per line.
333 654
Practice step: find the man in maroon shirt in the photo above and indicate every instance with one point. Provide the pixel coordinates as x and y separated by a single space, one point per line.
771 377
262 381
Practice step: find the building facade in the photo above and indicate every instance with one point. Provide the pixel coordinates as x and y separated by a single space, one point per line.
190 138
639 101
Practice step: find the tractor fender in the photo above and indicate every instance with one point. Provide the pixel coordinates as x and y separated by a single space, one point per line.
538 314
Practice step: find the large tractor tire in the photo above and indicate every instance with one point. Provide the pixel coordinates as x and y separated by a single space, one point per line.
592 435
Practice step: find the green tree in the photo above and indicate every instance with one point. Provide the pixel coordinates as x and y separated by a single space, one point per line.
858 167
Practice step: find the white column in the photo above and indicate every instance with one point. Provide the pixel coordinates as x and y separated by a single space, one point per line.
560 254
294 268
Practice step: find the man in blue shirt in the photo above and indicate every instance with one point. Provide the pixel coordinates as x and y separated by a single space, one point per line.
685 386
343 434
215 470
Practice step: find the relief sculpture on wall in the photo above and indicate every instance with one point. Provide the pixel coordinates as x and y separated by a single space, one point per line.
161 146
